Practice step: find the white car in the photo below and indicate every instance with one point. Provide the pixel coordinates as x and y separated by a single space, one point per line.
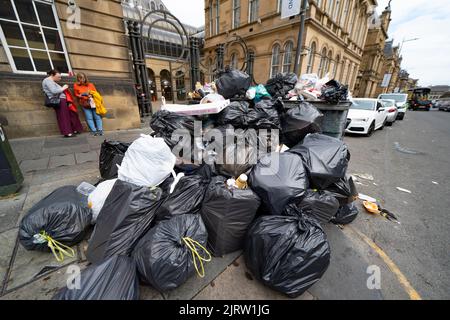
391 110
366 116
401 102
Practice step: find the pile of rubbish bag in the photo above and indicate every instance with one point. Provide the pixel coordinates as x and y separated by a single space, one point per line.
158 218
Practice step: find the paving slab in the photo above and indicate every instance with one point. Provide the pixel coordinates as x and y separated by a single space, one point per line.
43 288
91 156
56 174
27 149
34 165
11 207
148 293
61 161
61 151
195 284
59 141
28 265
7 241
236 283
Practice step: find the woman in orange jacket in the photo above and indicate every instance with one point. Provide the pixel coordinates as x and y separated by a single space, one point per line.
82 89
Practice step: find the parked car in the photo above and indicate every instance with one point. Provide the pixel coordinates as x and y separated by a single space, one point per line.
444 105
392 111
366 116
401 102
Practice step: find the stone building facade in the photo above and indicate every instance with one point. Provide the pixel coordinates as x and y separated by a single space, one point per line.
38 35
391 69
335 34
373 61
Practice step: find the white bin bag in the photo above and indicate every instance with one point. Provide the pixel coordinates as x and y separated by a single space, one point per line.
147 162
97 198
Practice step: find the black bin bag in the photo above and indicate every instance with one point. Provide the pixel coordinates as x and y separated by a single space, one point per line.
280 85
325 158
125 217
279 179
162 256
287 254
321 205
63 215
165 123
236 151
186 198
111 155
233 83
114 279
246 114
346 214
344 190
297 122
227 214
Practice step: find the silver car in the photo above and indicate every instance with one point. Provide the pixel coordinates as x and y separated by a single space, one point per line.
401 102
391 110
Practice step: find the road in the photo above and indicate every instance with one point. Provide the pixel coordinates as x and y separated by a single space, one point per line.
413 154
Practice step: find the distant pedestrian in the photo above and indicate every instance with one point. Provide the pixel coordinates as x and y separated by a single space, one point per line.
66 113
87 95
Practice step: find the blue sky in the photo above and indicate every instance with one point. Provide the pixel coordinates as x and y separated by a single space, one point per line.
427 59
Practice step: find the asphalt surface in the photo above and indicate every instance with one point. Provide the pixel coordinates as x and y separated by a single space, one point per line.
413 154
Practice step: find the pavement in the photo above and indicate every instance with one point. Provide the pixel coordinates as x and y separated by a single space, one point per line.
412 258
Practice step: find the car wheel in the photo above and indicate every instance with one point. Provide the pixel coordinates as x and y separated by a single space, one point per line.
371 129
389 124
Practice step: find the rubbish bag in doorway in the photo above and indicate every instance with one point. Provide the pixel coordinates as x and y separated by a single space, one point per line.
346 214
114 279
111 155
167 255
325 158
186 198
321 205
287 254
279 179
227 214
62 216
297 122
147 162
280 85
165 123
125 217
233 83
344 190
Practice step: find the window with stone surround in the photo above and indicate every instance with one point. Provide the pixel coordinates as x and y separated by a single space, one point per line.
312 55
236 13
253 10
275 65
287 57
31 35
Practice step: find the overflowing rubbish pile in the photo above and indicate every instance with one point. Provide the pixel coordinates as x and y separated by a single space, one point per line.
267 182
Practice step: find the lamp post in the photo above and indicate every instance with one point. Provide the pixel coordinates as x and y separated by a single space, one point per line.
404 41
140 68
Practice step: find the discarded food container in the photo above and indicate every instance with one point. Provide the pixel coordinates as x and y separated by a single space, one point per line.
85 188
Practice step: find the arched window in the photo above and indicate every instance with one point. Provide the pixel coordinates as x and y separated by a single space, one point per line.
153 6
323 62
287 58
161 7
336 65
251 61
234 61
166 84
181 85
152 84
329 62
275 66
312 54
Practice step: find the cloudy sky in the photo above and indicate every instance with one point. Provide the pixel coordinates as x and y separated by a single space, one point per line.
427 59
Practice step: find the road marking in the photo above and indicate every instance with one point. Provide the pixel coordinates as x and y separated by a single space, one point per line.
413 294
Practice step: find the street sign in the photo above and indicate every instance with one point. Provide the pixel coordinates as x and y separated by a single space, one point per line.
290 8
386 80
